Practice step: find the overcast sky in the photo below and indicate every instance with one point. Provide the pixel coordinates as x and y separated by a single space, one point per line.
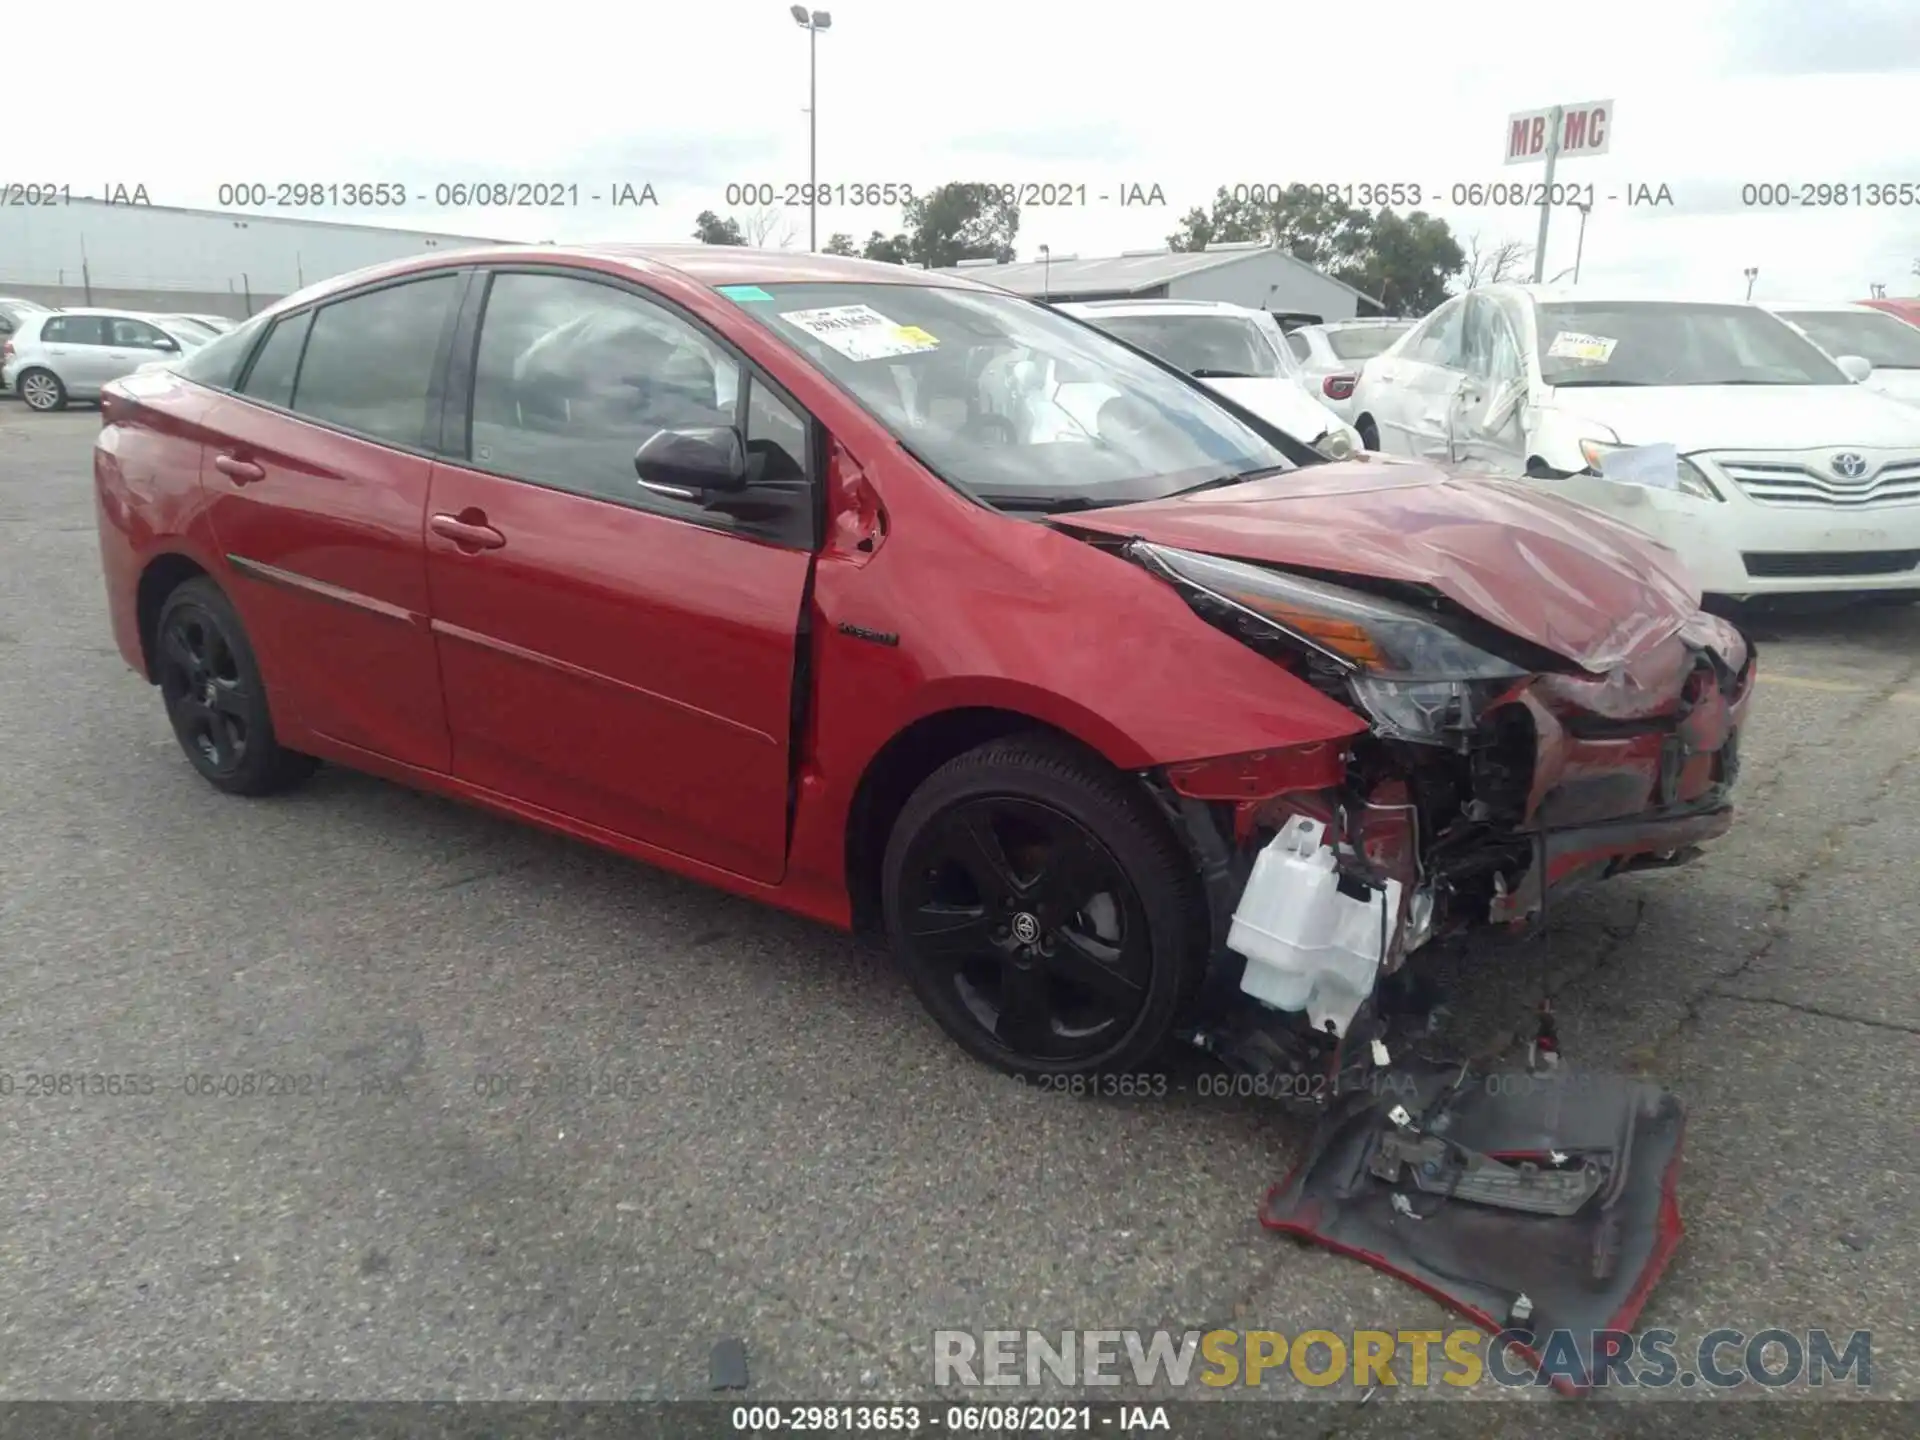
1709 95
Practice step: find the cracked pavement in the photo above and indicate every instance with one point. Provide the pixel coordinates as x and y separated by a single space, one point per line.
793 1154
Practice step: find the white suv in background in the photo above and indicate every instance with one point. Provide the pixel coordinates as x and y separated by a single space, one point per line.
1229 348
1332 354
70 354
1717 428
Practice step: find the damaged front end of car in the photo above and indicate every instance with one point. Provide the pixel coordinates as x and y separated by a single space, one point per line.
1495 777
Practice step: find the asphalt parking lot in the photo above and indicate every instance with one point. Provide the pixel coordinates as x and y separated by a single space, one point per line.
799 1158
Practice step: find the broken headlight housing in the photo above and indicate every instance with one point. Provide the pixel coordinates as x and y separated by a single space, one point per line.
1688 479
1414 678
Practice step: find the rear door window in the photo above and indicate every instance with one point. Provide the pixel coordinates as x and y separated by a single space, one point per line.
370 360
75 330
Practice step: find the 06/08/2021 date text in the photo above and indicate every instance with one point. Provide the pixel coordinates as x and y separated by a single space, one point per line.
1024 194
1371 193
443 194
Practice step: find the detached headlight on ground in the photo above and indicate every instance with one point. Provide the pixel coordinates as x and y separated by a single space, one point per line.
1690 480
1415 679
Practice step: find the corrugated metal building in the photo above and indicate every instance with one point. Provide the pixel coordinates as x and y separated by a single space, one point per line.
1252 273
155 257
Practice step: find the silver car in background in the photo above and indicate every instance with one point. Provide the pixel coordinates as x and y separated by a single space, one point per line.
70 354
1332 353
13 312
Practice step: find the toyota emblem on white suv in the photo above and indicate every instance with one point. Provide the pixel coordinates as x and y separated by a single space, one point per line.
1849 466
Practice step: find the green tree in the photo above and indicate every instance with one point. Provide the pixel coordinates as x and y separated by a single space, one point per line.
1311 225
710 229
1404 262
840 243
894 250
961 221
1408 262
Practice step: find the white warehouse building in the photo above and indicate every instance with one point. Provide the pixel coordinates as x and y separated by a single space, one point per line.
1251 273
155 257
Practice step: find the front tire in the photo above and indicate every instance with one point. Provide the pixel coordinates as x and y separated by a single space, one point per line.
215 698
1368 432
1042 910
42 390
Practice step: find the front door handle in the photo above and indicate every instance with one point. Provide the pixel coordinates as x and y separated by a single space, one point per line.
241 472
469 530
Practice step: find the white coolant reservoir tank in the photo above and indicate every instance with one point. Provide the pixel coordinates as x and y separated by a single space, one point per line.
1308 946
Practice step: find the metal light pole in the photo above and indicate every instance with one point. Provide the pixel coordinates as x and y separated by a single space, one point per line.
1554 122
1046 273
1580 244
1753 273
813 23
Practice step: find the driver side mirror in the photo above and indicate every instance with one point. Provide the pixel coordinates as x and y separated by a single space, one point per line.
163 343
1855 367
693 463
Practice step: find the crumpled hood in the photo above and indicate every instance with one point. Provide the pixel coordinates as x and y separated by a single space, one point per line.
1746 417
1567 578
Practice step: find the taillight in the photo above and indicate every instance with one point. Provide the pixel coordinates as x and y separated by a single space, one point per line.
6 349
1338 387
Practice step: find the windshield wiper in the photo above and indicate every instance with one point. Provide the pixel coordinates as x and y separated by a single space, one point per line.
1221 481
1040 504
1224 375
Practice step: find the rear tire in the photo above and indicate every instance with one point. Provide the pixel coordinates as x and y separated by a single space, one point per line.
42 390
215 698
1043 911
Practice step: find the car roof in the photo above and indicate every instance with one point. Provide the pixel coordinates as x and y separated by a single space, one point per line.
1154 307
707 265
1802 305
1586 295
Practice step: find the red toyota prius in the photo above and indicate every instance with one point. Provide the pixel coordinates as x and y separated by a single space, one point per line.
892 598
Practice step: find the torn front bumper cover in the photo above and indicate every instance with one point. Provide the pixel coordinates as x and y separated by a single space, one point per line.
1540 1205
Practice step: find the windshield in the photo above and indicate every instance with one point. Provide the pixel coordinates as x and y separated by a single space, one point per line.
186 329
1021 406
1650 342
1213 346
1889 343
1363 342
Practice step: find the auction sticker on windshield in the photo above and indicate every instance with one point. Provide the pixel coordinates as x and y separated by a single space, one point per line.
1572 345
860 332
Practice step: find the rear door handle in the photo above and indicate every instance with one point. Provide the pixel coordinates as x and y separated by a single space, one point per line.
470 534
241 472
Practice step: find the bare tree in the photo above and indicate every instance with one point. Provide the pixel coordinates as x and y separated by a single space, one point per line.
768 228
1495 264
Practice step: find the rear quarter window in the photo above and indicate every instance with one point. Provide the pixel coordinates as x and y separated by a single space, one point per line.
217 363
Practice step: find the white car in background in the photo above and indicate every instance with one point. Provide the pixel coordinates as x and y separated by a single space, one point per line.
1859 336
1716 428
1236 351
1332 353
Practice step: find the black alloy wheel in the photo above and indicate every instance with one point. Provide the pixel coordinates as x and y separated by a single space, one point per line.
1042 911
214 696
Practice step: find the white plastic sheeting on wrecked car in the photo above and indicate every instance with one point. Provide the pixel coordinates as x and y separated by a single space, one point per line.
1307 945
